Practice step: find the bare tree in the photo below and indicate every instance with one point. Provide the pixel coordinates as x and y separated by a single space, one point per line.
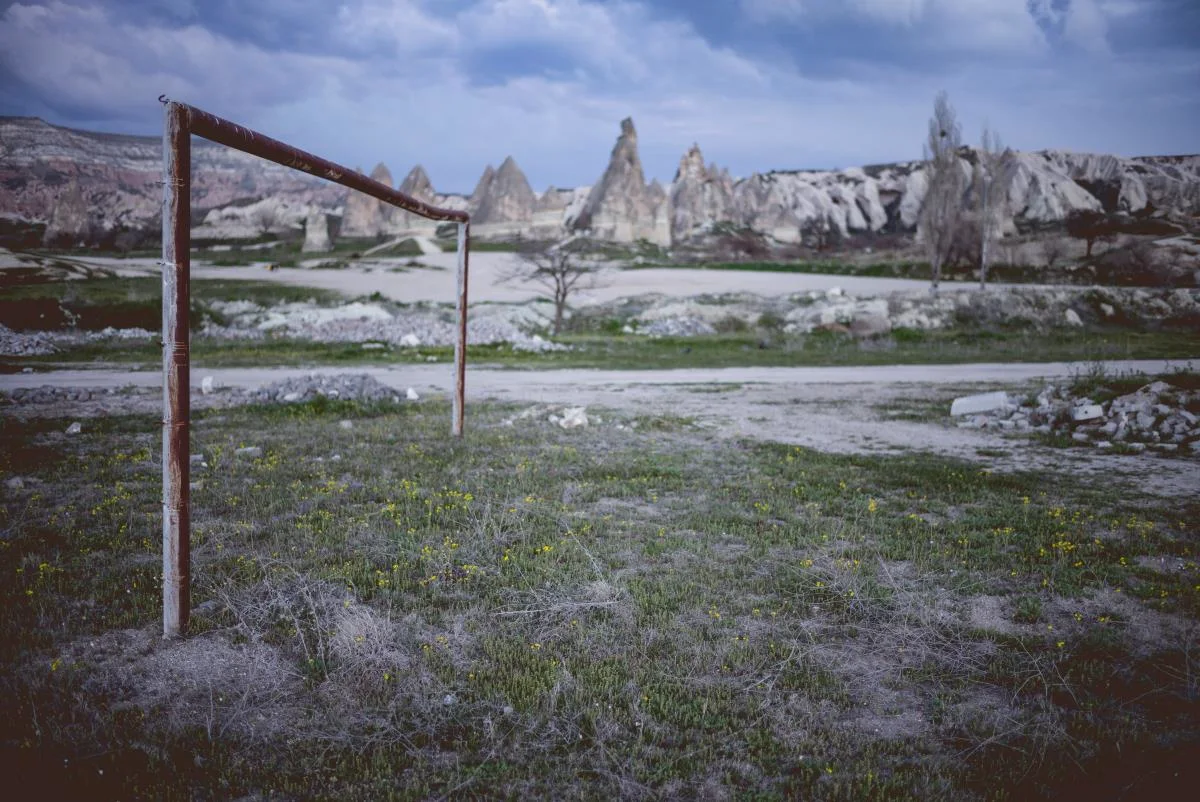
941 213
993 175
820 233
1091 226
558 268
265 218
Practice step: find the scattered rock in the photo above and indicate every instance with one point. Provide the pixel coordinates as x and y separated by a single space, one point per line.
346 424
983 402
28 344
573 418
412 394
410 340
1156 415
207 385
75 428
15 483
1072 318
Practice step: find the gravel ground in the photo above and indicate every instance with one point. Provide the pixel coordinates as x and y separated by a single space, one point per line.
828 409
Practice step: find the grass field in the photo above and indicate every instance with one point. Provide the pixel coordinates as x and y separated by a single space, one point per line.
132 302
385 612
633 352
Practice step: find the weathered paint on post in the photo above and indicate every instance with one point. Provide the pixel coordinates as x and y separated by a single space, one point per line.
176 220
182 121
244 139
460 346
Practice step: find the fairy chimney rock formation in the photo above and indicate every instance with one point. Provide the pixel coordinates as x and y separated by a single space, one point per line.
620 207
416 185
485 181
366 216
699 195
316 233
660 220
70 219
507 201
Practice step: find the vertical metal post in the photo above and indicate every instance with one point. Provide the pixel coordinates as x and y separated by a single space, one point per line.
176 220
460 347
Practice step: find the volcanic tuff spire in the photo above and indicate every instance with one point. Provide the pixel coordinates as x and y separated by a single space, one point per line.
69 220
619 207
417 185
77 184
316 233
508 198
485 181
366 216
699 195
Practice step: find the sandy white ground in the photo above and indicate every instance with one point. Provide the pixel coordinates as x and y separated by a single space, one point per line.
436 282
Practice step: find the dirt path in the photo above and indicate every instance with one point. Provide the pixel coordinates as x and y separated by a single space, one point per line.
840 410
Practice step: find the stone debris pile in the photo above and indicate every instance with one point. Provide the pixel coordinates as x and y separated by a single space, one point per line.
33 343
44 343
1158 416
343 387
373 322
835 310
678 327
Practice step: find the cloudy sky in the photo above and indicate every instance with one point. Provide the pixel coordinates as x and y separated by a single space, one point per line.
760 84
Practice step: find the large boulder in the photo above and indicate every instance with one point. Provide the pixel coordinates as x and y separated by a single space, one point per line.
316 233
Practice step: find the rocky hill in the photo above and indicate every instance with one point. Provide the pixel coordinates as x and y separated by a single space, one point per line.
75 180
72 182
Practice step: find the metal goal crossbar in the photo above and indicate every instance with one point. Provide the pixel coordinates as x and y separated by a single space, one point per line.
182 121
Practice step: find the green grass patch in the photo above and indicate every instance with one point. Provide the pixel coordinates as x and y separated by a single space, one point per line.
632 352
383 611
131 302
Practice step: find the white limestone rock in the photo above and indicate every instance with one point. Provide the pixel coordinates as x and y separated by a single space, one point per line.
979 403
316 233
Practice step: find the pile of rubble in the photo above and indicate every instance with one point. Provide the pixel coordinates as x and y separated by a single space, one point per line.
1038 308
25 344
677 327
343 387
43 343
1159 416
373 322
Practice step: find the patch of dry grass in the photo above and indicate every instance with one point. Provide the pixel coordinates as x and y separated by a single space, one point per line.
384 612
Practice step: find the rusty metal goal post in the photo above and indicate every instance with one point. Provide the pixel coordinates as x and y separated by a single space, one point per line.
182 121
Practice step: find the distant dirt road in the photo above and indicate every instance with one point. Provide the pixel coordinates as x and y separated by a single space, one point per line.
839 409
